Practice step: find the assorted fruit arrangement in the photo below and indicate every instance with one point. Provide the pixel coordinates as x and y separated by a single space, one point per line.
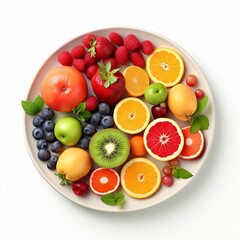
125 105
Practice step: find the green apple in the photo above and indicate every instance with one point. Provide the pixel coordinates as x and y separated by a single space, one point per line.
68 130
155 93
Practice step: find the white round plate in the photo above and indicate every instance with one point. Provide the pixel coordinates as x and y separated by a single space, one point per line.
91 200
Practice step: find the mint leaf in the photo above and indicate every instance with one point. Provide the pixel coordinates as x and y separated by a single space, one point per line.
113 199
181 173
33 107
195 124
202 104
204 122
81 113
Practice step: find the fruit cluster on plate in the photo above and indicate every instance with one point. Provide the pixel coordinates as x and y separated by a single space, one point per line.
124 105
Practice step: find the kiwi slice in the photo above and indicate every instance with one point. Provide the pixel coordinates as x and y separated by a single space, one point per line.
109 148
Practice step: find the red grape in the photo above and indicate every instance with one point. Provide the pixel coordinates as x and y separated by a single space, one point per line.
167 180
199 93
191 80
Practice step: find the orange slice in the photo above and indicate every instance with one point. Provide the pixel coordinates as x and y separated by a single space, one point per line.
163 139
104 181
140 177
136 79
131 115
166 66
193 144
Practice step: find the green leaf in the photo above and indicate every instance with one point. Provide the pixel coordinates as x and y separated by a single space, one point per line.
195 124
108 66
204 122
81 113
113 199
202 104
33 107
181 173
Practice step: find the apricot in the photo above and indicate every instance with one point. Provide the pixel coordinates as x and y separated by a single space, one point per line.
182 101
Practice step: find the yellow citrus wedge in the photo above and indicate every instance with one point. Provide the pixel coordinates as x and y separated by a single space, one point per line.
140 177
131 115
166 66
137 81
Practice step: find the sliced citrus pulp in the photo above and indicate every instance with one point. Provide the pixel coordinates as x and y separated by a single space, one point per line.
136 79
140 177
166 66
193 144
131 115
163 139
104 181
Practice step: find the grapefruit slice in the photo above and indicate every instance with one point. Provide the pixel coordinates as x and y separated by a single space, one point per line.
104 181
163 139
140 177
193 144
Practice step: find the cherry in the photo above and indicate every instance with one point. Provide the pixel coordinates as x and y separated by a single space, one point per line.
174 162
167 170
159 110
191 80
199 93
167 180
79 187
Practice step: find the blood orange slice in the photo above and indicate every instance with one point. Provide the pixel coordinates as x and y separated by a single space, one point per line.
163 139
193 144
104 181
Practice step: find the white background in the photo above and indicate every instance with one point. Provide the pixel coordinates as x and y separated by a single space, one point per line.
31 31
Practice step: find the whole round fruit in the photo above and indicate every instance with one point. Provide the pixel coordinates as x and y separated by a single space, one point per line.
182 101
109 148
155 93
160 110
68 130
191 80
73 164
63 88
80 188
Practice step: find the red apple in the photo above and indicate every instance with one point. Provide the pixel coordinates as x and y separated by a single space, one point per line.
160 110
63 88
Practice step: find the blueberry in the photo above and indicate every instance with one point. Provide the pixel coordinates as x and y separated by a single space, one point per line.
84 143
38 121
52 162
96 118
48 125
42 143
47 113
50 137
38 133
107 122
104 108
99 128
89 129
44 154
56 147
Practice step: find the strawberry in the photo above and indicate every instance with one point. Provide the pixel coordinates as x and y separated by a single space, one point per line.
108 85
87 39
89 59
116 38
122 55
102 48
147 47
65 58
131 42
79 64
78 51
137 59
114 63
91 70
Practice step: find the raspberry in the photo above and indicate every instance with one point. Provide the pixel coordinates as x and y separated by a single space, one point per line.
137 59
65 58
114 63
78 51
131 42
89 59
79 64
122 55
91 70
147 47
91 103
87 39
116 38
